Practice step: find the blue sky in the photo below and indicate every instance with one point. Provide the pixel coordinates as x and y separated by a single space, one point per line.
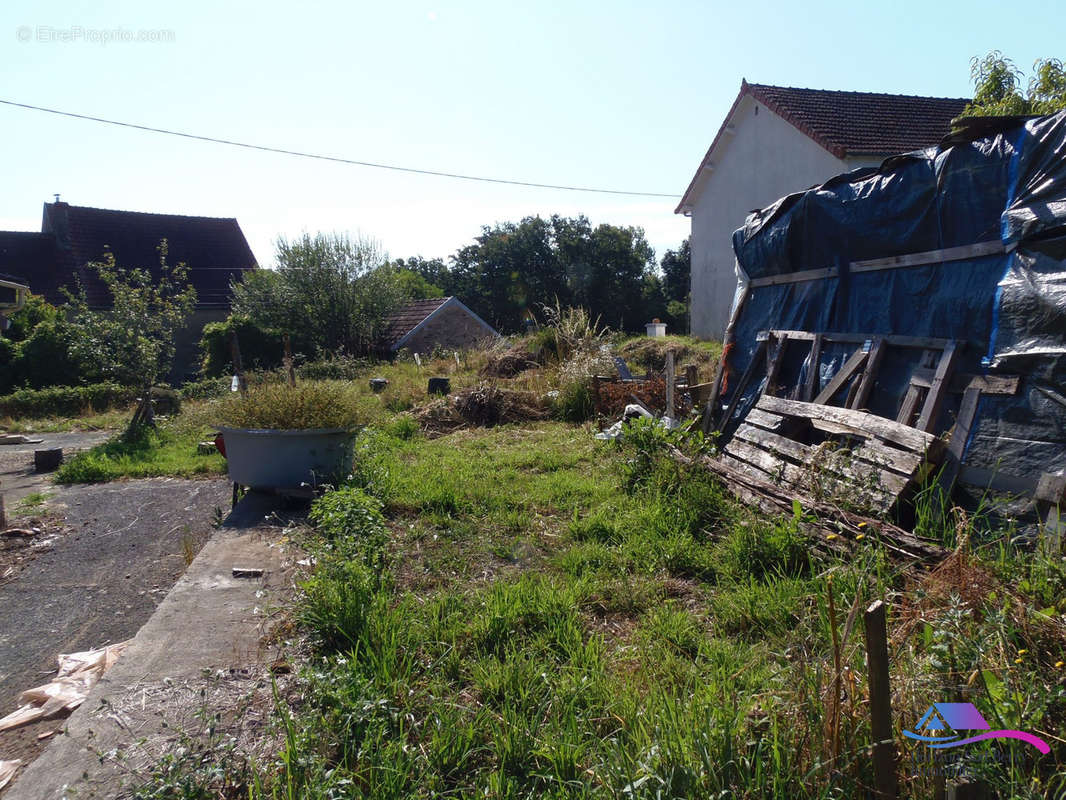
620 95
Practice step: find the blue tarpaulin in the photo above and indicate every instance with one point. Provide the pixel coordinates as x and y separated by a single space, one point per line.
998 180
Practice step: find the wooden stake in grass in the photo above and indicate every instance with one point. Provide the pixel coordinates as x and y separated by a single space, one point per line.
884 746
834 711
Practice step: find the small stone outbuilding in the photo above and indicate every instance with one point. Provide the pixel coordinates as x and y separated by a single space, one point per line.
422 326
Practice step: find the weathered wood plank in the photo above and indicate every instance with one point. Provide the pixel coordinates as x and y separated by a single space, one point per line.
961 381
934 400
909 407
866 488
810 386
847 371
872 425
745 379
940 256
959 434
837 524
919 342
762 419
869 375
775 357
850 466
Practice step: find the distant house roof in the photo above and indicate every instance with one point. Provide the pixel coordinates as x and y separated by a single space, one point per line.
852 123
213 249
22 252
404 322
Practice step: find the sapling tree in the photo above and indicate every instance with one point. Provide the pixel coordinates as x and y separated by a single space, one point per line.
132 343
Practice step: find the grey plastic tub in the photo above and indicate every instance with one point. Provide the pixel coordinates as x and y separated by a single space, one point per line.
272 459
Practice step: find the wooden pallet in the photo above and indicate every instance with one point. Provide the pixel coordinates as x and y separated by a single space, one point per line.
837 454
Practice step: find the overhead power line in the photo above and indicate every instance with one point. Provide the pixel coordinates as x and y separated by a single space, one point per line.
334 159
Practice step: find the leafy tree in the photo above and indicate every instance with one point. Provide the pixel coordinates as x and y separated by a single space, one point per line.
677 275
514 267
132 343
330 292
998 87
36 311
414 286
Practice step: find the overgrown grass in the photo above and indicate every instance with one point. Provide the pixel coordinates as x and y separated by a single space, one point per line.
524 612
560 618
168 450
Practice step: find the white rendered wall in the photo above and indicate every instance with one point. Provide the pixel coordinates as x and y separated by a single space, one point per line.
764 159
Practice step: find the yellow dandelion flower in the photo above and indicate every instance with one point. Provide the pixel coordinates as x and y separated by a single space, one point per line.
1022 652
1018 661
862 525
831 536
1060 664
860 537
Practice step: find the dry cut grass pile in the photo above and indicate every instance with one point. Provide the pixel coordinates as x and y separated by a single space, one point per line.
484 406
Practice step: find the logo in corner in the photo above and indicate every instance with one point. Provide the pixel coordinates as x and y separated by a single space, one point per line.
942 725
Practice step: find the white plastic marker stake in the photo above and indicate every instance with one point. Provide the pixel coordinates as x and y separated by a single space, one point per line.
418 360
234 384
456 354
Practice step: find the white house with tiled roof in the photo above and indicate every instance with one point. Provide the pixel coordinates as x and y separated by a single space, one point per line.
777 140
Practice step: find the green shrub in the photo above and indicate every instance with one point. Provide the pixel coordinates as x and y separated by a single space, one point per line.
260 349
33 313
66 401
8 351
575 402
45 359
278 406
337 368
205 389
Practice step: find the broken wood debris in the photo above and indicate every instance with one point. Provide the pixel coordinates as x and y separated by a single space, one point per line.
855 458
828 526
247 572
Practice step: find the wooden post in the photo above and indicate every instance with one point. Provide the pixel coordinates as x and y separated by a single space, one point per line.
669 411
692 375
869 375
288 360
238 369
884 746
3 514
935 399
774 357
810 386
742 385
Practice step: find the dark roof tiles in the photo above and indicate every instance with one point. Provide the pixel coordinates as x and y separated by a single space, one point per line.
848 123
405 319
213 249
862 123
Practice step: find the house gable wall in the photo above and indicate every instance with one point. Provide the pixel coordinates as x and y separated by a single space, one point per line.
451 328
765 158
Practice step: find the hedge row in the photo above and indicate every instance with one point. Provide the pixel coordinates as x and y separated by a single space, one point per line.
66 401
